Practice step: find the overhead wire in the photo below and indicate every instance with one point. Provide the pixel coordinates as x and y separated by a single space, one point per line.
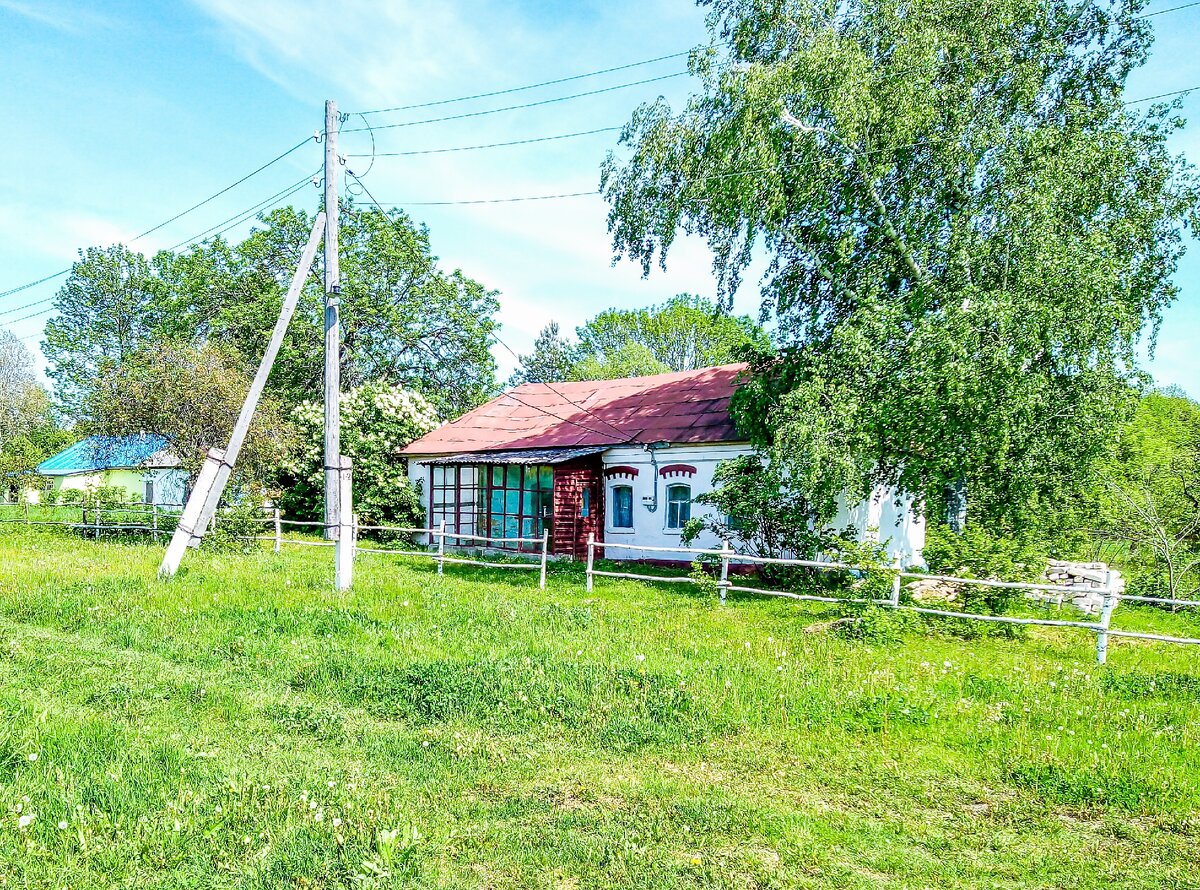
167 222
211 232
619 432
1147 15
438 151
487 111
532 86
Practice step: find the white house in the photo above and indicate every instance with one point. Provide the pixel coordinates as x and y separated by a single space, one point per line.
619 459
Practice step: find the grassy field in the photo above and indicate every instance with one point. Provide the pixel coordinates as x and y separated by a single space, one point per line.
245 726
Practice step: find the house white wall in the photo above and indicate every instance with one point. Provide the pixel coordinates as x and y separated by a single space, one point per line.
886 519
880 518
650 529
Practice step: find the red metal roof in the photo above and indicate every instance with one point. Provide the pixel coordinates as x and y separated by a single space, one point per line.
685 407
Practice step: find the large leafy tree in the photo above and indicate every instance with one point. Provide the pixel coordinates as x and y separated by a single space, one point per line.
111 305
191 395
1150 497
684 333
28 432
967 232
405 320
552 360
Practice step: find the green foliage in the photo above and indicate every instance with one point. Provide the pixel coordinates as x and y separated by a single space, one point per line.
967 230
981 553
263 729
875 624
236 523
405 321
1149 513
102 496
113 304
191 395
28 431
703 572
376 422
552 360
757 511
685 333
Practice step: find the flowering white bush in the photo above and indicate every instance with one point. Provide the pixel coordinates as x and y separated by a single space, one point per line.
377 421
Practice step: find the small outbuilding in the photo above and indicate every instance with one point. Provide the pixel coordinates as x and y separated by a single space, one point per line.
622 460
141 465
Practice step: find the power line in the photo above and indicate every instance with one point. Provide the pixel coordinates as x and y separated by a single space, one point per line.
238 218
177 216
223 227
438 151
496 336
532 86
561 395
1164 95
609 89
1165 11
455 117
227 188
15 310
491 200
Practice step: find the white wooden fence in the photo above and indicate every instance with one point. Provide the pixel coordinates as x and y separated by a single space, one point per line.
91 522
155 523
727 557
438 555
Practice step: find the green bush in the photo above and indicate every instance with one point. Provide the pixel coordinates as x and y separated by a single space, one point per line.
979 553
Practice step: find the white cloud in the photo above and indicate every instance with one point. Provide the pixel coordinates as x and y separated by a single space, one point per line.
72 20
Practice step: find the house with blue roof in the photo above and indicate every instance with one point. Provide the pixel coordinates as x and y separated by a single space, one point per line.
142 465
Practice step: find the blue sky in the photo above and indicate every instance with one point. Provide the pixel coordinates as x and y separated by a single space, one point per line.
127 112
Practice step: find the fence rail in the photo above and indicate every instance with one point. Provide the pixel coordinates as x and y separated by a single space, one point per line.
726 557
92 521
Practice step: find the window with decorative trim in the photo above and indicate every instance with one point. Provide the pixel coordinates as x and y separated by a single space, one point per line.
679 505
622 506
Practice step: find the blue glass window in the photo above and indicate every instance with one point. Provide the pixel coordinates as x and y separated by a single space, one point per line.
622 506
679 505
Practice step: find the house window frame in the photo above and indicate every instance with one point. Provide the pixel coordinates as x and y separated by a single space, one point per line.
466 493
667 514
611 524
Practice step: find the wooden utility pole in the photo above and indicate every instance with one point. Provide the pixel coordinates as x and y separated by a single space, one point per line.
201 505
333 333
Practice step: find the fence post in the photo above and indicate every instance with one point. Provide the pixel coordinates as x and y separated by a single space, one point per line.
591 555
896 585
96 515
723 585
27 509
278 530
1106 610
441 551
545 543
343 552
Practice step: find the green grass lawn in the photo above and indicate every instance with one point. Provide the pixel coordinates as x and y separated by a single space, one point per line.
245 726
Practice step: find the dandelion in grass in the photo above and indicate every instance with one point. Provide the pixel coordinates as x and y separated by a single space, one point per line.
63 826
25 821
33 756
